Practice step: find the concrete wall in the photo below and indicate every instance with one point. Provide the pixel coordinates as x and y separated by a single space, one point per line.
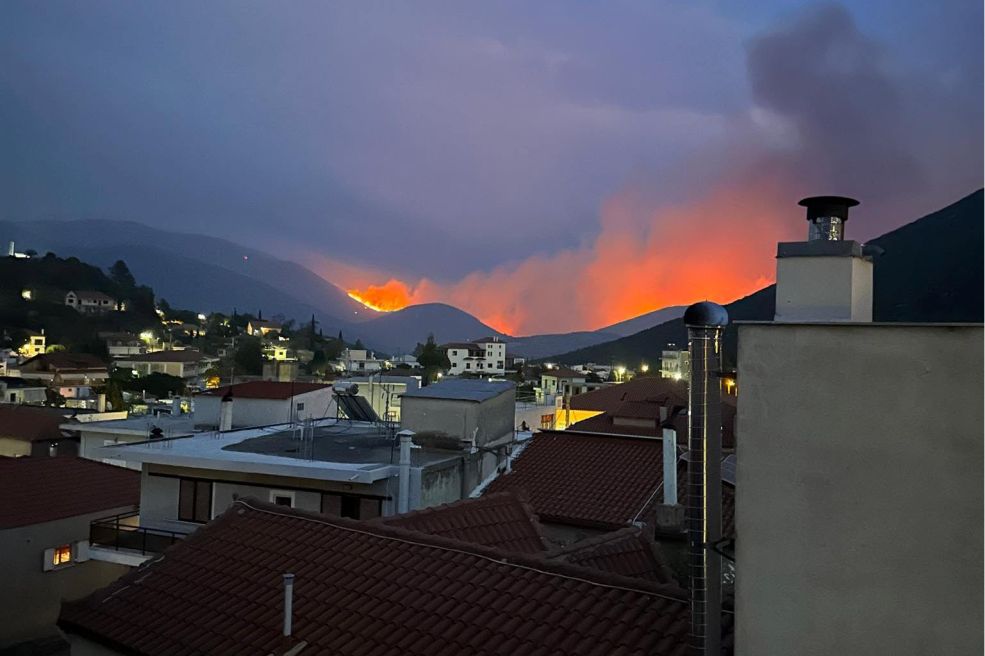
823 288
490 421
263 412
159 488
30 598
91 441
859 490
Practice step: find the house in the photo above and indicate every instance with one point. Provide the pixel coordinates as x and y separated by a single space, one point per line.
383 391
264 402
861 466
65 369
340 467
560 381
365 587
262 328
93 435
48 506
123 344
485 356
91 302
187 364
14 389
34 431
35 345
405 360
360 361
675 364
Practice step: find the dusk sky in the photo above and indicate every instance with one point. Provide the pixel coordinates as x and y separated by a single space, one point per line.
547 166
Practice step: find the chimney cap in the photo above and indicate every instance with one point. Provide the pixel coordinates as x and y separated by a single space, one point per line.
706 313
818 206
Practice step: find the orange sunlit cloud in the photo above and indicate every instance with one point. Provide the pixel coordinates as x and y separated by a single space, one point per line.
644 258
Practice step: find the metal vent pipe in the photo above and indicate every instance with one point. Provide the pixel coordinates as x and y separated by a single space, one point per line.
703 515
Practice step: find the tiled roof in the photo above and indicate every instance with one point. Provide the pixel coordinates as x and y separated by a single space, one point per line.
586 480
640 398
59 360
627 552
367 588
36 490
503 521
30 423
181 355
641 388
265 389
563 372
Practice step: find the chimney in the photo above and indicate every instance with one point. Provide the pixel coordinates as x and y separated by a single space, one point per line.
403 491
826 278
101 402
705 323
288 604
10 249
226 412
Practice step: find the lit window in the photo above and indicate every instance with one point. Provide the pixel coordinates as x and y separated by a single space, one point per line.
62 555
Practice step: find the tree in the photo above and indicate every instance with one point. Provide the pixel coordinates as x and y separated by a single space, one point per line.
358 345
433 359
249 357
120 274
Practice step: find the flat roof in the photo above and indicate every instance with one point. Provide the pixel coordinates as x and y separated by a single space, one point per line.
137 425
341 450
462 390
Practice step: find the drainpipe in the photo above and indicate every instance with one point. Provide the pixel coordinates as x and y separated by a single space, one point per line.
670 465
705 322
288 604
403 494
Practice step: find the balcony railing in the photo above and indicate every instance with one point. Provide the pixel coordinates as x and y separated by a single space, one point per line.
121 532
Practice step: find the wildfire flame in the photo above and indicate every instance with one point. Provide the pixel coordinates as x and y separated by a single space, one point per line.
388 297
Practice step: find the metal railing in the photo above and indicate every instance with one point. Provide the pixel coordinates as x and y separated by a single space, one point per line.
116 533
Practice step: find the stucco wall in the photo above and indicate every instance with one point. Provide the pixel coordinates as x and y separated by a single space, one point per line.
263 412
30 598
859 490
493 418
831 288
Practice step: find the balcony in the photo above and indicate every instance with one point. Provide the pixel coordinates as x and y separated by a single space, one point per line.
121 539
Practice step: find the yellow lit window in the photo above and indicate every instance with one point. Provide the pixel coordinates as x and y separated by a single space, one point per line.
62 555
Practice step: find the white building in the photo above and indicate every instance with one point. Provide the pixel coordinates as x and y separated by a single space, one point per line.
483 356
360 361
187 364
384 391
675 364
20 391
90 302
265 402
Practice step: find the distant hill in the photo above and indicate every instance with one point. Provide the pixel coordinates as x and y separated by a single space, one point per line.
931 272
542 346
400 331
217 269
644 321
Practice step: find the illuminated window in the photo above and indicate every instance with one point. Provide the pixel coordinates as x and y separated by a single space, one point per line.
546 421
62 555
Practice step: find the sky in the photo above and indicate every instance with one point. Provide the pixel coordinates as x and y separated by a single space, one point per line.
546 166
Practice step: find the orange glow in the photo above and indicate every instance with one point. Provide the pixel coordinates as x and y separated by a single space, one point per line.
389 297
646 256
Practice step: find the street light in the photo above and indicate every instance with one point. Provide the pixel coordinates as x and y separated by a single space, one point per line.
645 367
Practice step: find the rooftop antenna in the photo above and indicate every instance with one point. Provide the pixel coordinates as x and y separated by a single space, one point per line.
705 322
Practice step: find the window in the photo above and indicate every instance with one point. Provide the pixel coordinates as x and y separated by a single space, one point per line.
62 555
300 407
351 505
546 421
282 498
468 365
194 500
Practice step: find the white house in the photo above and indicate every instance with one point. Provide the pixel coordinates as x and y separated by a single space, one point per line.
360 361
187 364
265 402
675 364
485 356
90 302
18 390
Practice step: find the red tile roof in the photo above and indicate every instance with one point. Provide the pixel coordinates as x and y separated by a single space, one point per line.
641 388
503 521
628 552
36 490
367 588
266 389
586 480
60 360
30 423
